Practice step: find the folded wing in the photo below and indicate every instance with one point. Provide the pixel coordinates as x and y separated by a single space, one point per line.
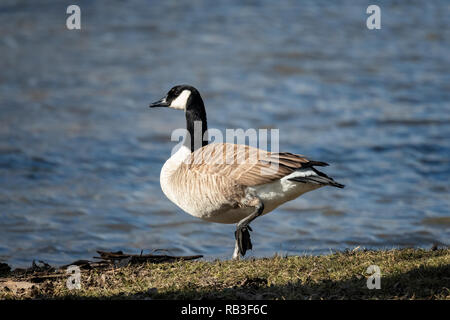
245 165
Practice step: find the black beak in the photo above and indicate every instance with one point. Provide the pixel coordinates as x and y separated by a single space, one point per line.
160 103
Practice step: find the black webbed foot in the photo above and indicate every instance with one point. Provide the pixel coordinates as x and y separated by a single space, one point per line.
242 236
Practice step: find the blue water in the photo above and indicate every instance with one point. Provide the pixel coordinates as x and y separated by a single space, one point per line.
80 152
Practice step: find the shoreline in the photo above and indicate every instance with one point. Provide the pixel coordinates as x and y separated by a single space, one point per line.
404 274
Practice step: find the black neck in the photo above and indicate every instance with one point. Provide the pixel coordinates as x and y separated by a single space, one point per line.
196 123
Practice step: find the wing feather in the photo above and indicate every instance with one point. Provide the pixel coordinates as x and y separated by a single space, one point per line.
245 165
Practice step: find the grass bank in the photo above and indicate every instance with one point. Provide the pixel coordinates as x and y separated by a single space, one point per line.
405 274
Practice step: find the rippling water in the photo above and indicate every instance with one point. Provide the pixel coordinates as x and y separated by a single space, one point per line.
80 152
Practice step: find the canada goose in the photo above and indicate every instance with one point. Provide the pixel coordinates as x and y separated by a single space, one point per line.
230 183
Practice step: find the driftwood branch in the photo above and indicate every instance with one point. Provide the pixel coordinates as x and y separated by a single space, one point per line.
119 256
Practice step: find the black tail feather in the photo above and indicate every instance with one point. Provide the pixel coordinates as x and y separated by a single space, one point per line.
317 163
318 180
321 179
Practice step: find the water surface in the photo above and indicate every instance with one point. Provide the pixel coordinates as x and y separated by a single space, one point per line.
80 152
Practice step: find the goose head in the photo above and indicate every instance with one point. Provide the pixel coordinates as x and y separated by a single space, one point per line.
181 97
187 98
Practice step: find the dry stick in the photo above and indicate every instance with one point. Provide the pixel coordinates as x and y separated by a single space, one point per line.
136 258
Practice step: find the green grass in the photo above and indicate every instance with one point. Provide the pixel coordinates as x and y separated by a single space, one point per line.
405 274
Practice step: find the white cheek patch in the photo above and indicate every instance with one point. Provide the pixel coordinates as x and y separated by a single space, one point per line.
180 102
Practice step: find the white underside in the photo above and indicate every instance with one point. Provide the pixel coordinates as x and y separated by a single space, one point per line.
272 195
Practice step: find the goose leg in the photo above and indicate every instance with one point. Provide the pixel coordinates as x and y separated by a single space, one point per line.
242 233
236 255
